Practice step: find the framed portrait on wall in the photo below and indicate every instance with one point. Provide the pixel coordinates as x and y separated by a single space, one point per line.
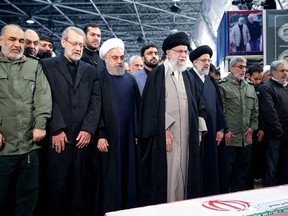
245 32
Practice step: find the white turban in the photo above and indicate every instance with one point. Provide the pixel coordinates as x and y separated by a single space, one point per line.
110 44
266 68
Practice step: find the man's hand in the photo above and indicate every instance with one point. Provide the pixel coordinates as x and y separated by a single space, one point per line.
38 134
260 135
219 136
200 137
59 141
2 141
248 135
228 137
169 140
83 139
102 145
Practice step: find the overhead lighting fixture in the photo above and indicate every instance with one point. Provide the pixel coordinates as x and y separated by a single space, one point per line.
174 30
30 21
175 8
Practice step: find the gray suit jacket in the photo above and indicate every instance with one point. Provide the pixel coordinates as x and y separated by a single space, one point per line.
141 77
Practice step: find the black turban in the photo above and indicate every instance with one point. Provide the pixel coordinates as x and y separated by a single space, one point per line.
176 39
199 51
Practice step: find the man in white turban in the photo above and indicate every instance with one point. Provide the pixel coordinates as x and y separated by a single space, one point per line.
117 185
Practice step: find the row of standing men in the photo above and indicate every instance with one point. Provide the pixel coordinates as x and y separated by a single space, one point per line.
110 147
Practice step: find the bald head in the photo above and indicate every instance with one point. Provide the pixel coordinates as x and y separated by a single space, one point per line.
31 42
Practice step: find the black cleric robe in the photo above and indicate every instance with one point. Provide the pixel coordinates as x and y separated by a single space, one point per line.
93 58
117 168
152 146
215 121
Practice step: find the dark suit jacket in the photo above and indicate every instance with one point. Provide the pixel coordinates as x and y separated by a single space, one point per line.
93 58
77 106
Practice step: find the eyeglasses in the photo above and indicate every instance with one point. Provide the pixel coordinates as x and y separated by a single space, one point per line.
205 60
75 44
180 52
241 67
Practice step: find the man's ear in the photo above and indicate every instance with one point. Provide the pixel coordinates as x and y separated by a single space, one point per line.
63 43
168 52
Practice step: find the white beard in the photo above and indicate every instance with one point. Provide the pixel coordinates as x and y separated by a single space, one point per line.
116 71
178 67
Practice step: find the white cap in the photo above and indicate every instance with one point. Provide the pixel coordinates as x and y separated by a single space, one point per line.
266 68
110 44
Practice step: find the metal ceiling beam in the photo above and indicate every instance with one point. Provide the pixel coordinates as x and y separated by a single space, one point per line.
105 15
103 18
12 12
56 8
17 8
158 9
47 29
139 20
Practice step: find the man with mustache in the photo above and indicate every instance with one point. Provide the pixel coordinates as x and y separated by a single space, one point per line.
75 116
274 106
240 106
136 64
91 46
116 159
201 58
150 58
31 42
171 125
25 108
45 48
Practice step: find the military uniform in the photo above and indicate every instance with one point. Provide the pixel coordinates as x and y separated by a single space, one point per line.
25 104
240 105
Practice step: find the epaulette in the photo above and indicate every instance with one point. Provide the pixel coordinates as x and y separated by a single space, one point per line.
223 80
34 57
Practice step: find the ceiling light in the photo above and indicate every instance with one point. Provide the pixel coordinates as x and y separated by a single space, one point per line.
30 21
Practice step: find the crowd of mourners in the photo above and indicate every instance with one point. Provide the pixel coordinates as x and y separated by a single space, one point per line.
84 133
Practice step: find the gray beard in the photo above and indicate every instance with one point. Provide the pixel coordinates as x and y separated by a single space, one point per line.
203 72
116 71
179 68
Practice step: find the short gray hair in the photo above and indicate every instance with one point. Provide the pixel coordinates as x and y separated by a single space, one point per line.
72 28
9 25
274 65
133 58
234 60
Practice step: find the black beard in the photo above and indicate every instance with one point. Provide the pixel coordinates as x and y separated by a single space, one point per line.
149 64
43 55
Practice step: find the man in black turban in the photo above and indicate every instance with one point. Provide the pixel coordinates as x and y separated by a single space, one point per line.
199 51
171 122
173 40
201 58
